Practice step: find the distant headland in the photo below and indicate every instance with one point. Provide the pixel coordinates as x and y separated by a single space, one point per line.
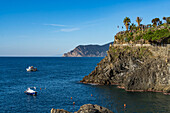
88 51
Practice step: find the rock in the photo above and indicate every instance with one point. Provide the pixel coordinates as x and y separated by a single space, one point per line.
59 111
87 108
134 68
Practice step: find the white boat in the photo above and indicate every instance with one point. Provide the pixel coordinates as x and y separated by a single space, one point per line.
31 68
30 91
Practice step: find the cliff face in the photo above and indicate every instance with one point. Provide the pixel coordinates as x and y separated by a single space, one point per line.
134 68
88 51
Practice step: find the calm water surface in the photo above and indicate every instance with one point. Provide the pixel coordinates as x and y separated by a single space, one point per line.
61 76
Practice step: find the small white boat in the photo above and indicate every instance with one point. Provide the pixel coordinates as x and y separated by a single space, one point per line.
31 68
30 91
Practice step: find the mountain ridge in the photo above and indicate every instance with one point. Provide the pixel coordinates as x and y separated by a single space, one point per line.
88 51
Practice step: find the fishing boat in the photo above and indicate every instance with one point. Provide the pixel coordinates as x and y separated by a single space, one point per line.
31 68
30 91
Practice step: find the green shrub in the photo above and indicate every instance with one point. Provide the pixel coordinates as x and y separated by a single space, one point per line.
131 34
138 37
156 35
129 38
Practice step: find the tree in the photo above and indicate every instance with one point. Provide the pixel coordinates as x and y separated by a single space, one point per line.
160 23
164 18
138 20
126 21
155 21
149 25
168 20
132 26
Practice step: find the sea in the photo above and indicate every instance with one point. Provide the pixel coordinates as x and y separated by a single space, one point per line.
57 80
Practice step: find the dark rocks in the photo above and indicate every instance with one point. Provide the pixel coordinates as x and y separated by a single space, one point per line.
134 68
59 111
87 108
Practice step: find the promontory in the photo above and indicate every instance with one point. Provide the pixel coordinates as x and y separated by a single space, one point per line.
88 51
138 60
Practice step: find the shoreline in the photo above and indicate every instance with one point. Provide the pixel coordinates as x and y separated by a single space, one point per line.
121 87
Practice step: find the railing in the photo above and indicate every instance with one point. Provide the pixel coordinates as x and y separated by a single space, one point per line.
140 45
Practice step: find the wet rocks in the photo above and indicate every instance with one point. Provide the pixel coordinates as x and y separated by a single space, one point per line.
59 111
87 108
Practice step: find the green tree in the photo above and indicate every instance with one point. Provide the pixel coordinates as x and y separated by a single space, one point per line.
126 22
149 25
168 20
155 21
164 18
160 23
132 26
138 20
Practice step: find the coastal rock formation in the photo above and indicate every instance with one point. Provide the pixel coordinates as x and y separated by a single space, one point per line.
134 68
88 51
59 111
87 108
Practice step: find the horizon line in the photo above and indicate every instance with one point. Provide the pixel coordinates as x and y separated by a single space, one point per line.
30 55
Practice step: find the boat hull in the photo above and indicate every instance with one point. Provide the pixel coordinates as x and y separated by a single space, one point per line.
34 94
29 70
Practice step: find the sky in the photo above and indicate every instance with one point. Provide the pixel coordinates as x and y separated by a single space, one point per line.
53 27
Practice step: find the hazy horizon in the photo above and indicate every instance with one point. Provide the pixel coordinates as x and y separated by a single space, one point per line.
52 28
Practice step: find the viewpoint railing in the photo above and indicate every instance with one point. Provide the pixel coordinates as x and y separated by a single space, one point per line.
140 45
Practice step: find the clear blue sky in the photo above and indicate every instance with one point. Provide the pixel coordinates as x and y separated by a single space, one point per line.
52 27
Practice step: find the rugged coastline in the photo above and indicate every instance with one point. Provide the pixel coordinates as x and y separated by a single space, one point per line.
139 60
136 68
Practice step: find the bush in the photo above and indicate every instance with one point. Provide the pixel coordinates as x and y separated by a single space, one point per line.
138 37
156 35
131 34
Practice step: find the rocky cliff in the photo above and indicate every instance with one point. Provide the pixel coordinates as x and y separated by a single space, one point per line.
134 68
87 108
88 51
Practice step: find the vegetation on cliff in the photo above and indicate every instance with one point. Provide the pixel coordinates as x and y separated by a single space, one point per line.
157 33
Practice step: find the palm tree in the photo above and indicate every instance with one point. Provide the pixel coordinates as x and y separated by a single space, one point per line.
160 23
149 25
164 18
138 20
132 26
126 21
168 20
155 21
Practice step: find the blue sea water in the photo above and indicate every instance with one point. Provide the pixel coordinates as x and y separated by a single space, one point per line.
58 78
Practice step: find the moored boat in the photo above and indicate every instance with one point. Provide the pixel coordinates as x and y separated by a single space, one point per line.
30 91
31 68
